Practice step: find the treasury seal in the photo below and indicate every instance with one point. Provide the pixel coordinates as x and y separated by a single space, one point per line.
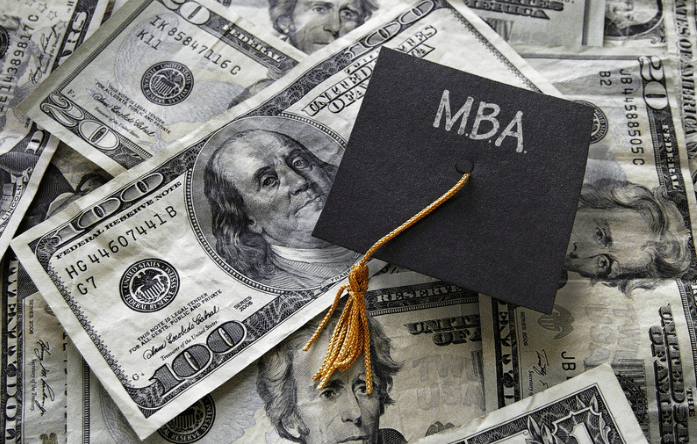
149 285
192 424
600 125
4 41
167 83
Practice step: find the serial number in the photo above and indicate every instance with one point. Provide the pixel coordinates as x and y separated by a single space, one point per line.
630 111
205 51
114 247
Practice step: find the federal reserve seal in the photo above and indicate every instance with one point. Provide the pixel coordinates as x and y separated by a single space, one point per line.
149 285
600 125
167 83
192 424
4 41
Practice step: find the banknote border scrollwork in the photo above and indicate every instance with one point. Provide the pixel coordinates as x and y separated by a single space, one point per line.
526 81
11 374
89 329
687 295
545 424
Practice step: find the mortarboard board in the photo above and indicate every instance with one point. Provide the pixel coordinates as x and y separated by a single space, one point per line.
420 127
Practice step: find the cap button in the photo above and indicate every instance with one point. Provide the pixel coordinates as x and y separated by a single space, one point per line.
464 166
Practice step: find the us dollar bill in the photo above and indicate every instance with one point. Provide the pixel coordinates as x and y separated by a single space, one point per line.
143 248
34 39
615 293
680 34
545 23
636 154
154 72
34 363
432 332
34 358
587 409
647 339
637 23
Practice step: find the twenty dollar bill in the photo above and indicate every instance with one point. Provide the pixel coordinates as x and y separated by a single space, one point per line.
155 71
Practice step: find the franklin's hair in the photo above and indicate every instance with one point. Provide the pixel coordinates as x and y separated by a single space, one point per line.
244 250
671 255
280 9
278 389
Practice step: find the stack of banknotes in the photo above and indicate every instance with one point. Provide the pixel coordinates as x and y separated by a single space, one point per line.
163 163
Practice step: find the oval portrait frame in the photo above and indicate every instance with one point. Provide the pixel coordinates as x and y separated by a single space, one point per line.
325 144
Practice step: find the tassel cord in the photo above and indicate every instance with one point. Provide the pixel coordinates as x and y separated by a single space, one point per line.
351 335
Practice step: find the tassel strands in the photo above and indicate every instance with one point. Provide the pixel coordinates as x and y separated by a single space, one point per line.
351 335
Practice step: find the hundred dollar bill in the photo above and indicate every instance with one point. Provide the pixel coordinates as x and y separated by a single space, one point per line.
431 330
212 285
35 37
154 72
544 23
646 338
587 409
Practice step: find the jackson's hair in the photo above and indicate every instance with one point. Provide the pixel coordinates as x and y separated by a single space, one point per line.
672 255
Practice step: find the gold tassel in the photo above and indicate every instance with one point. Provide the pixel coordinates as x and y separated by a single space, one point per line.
351 335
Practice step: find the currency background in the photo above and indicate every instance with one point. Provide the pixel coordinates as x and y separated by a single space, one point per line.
448 376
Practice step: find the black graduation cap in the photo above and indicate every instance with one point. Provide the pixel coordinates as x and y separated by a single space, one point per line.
420 127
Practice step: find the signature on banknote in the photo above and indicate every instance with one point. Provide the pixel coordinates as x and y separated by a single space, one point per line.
42 350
